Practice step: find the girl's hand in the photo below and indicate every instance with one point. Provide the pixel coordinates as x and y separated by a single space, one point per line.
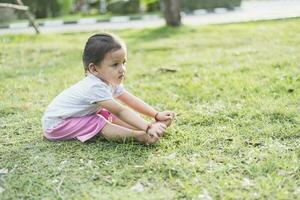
165 115
157 129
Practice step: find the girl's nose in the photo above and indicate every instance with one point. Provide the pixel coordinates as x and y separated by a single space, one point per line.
123 69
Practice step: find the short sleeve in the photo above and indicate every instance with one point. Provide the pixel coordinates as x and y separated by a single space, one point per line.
98 92
118 90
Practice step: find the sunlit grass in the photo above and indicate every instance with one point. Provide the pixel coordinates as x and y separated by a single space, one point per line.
236 92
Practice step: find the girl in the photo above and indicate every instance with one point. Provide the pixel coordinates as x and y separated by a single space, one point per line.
84 110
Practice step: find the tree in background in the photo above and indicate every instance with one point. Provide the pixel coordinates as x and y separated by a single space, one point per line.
20 6
171 10
45 8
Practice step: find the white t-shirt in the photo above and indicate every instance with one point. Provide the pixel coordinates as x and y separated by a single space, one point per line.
79 100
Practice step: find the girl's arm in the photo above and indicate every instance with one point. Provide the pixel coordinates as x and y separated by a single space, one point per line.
140 106
131 117
137 104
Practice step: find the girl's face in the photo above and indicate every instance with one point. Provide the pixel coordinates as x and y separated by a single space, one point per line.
112 68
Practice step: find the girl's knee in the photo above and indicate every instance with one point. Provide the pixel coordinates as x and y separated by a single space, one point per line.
105 131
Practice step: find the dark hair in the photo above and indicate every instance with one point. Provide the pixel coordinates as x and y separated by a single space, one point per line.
98 46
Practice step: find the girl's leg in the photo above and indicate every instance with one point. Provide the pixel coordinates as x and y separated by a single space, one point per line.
119 133
112 118
119 122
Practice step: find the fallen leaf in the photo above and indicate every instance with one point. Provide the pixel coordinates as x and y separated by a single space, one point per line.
26 106
3 171
255 195
55 181
1 189
281 173
246 183
138 166
167 69
196 181
297 191
108 179
204 195
13 169
255 144
63 162
107 162
89 163
171 156
138 187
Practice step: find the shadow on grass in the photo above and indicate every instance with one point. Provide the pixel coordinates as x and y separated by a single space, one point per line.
159 33
99 149
51 155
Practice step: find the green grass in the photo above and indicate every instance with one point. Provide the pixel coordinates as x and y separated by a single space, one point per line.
237 135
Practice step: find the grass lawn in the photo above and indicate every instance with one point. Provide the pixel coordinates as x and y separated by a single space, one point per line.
237 136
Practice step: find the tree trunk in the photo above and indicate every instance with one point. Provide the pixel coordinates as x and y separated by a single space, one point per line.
13 6
29 17
171 9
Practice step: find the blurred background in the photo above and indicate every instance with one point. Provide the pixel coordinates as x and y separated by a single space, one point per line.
71 9
60 13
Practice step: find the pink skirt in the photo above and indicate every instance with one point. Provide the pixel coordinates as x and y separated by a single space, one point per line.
81 128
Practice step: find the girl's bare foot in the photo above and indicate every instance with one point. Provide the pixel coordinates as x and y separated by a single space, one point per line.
166 122
145 138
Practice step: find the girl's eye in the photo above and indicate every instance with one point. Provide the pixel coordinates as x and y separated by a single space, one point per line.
115 65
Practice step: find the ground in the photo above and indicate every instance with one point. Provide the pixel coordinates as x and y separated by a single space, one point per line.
235 89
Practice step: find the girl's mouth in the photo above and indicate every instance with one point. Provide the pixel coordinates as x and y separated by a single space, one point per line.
122 77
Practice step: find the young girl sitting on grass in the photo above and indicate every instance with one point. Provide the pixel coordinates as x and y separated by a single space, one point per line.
89 108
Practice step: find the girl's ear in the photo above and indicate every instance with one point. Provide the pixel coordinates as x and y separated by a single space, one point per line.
92 68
